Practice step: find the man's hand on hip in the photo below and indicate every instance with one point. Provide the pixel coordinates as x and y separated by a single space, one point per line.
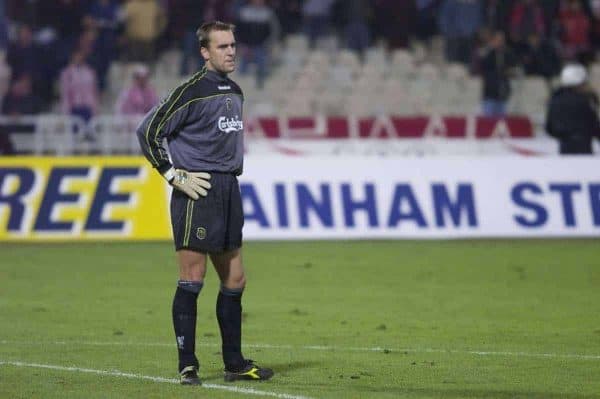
194 184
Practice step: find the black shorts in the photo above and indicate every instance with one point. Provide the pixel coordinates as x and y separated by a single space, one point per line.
211 224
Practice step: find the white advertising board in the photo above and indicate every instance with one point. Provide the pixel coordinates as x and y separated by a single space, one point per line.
367 197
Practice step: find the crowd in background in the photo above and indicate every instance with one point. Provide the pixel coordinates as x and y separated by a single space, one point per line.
61 50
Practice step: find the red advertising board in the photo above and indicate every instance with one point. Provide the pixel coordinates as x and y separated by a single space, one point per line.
390 127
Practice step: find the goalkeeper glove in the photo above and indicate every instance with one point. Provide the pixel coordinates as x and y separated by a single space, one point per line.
194 184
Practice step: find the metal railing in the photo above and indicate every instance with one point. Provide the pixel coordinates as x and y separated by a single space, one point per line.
52 134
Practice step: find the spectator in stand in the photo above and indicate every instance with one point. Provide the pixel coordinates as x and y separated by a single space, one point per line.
218 10
184 18
65 18
353 14
78 88
459 22
22 12
395 21
21 100
496 13
103 16
575 32
6 146
5 75
145 20
317 17
595 21
3 27
23 55
497 63
289 14
539 57
140 96
526 18
550 9
257 28
427 11
572 115
86 44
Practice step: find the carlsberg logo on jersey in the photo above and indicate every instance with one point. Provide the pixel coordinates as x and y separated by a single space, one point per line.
229 125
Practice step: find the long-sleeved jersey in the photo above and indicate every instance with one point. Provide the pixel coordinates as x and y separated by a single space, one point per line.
202 122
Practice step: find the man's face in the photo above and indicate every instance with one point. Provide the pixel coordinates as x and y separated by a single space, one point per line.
498 40
78 58
141 80
25 35
220 54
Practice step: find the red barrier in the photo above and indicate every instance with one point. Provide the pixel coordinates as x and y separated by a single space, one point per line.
386 127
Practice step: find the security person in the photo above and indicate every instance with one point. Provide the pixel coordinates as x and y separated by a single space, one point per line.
202 123
572 115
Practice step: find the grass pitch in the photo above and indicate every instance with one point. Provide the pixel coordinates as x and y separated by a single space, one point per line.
449 319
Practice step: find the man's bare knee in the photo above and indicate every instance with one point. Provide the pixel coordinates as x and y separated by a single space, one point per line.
192 265
230 268
235 282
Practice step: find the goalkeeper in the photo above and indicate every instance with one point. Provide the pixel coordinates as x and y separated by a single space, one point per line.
201 121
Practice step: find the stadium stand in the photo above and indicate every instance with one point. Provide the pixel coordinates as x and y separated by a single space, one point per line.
327 78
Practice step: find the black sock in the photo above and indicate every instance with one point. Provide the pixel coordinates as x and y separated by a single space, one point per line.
184 321
229 315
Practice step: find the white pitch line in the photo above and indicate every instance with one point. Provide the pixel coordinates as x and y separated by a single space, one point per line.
321 348
515 354
115 373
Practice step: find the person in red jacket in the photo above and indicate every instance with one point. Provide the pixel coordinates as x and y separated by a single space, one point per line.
526 18
575 29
